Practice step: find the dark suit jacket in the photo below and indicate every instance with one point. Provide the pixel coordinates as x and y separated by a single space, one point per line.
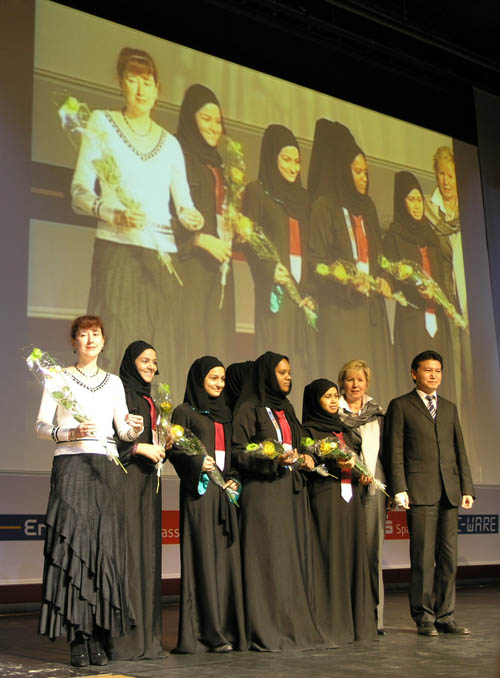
426 456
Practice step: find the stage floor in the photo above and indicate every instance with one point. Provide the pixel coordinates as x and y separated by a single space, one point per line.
400 653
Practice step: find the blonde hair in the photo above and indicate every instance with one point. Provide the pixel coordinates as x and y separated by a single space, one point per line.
353 366
442 153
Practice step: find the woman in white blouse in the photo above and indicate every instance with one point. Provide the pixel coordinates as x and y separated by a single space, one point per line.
85 592
128 169
359 411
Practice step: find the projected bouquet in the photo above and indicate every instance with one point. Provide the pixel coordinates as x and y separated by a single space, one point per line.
52 376
412 272
252 234
347 273
75 116
186 442
160 394
334 447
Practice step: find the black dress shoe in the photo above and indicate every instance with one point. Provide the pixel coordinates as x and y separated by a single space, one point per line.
97 655
381 632
223 648
79 653
426 629
451 627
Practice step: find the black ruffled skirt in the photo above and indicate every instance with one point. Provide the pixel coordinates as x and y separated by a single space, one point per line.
85 570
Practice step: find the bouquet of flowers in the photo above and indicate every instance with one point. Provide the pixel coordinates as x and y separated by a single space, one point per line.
335 447
160 395
253 234
74 116
52 376
186 442
346 273
267 449
411 271
270 449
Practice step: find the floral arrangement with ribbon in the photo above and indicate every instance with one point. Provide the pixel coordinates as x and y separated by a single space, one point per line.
187 442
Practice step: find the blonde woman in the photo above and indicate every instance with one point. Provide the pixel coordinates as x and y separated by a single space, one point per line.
359 411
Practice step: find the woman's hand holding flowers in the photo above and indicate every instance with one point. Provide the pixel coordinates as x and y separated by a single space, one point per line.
124 220
384 287
281 274
219 249
85 430
208 464
346 463
307 462
288 458
231 485
154 453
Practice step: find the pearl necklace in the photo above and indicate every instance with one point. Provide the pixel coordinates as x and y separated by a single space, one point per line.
138 134
89 376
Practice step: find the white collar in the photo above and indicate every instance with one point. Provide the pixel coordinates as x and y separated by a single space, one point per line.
424 395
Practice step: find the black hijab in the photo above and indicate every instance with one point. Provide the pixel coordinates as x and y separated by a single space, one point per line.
261 389
292 196
325 168
198 398
413 231
188 131
129 374
313 414
235 377
334 150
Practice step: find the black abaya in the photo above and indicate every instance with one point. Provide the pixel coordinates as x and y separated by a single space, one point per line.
142 510
277 545
344 598
211 606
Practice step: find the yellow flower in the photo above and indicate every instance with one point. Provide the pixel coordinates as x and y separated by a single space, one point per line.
166 406
177 431
245 228
339 272
322 269
237 175
268 449
404 271
327 446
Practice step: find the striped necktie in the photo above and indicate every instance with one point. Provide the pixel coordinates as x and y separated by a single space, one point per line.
430 405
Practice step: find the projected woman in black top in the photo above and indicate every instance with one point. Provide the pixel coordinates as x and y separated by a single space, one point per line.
127 169
344 226
280 205
205 255
412 237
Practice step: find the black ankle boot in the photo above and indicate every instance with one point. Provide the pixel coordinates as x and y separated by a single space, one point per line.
79 652
96 652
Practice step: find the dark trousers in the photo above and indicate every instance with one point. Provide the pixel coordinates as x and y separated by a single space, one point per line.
433 556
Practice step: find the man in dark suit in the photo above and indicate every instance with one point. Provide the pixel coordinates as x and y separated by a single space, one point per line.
430 477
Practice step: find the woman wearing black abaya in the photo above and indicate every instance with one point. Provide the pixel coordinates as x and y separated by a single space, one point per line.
344 225
211 617
205 254
411 236
142 509
280 205
344 599
275 516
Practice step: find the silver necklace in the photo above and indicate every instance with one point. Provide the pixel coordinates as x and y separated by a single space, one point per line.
138 134
89 376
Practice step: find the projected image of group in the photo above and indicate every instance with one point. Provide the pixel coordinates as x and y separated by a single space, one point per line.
205 223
